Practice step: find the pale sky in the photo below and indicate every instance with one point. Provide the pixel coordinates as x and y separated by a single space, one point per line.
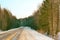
21 8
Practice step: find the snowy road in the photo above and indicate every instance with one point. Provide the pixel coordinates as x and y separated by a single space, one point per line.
22 34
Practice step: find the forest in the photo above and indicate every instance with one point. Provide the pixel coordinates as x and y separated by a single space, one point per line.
45 19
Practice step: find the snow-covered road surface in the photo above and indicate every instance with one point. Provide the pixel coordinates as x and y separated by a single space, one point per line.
22 34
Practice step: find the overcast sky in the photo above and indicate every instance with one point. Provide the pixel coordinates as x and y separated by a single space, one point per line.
21 8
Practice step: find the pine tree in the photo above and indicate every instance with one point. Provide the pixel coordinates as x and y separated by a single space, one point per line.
41 16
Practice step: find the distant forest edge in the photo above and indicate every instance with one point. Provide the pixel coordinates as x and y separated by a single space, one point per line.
8 21
45 19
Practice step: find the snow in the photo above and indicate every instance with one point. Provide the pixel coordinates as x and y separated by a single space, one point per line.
58 36
23 33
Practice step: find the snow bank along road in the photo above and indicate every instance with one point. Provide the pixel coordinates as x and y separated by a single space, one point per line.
22 34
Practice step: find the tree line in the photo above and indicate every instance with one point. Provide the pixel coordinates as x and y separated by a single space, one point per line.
8 21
